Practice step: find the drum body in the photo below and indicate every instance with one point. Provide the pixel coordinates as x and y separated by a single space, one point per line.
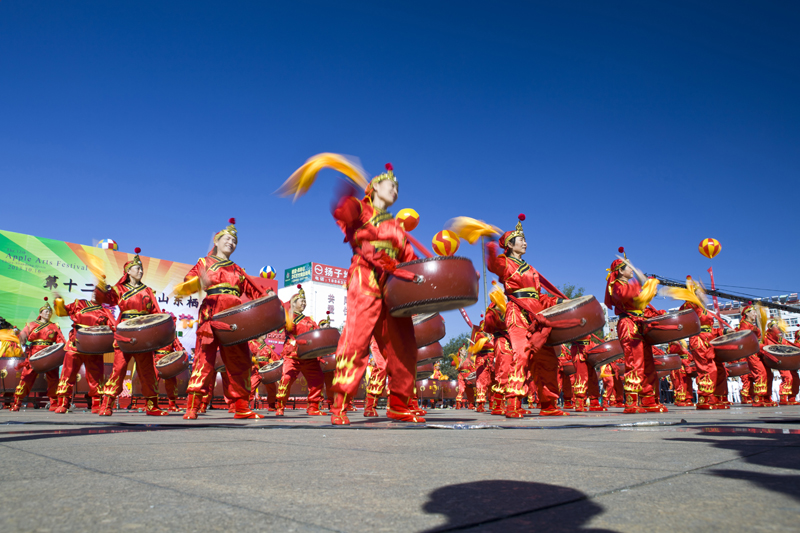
686 324
667 362
662 374
9 375
471 379
48 359
448 283
424 371
146 333
737 368
428 329
568 368
429 353
328 363
735 346
692 373
317 342
250 320
585 308
94 340
271 373
172 364
782 357
605 353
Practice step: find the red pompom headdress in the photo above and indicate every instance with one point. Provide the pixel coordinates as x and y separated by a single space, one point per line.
230 230
45 306
300 294
388 175
509 235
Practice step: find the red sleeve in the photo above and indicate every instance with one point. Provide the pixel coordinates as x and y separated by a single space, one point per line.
252 291
60 336
495 261
177 346
347 211
26 331
108 297
156 307
407 253
547 300
627 291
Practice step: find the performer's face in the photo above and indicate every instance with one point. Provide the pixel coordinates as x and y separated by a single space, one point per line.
299 305
750 315
45 314
520 245
136 272
226 244
387 192
626 272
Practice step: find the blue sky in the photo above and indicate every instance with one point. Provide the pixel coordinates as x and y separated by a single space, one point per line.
650 125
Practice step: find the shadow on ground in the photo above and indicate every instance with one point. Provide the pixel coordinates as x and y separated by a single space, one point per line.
508 506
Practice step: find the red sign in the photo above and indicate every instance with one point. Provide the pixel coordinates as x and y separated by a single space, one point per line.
328 274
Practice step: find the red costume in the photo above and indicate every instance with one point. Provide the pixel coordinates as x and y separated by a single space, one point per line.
565 380
294 366
703 355
38 335
494 323
171 384
525 299
483 348
586 383
681 380
83 313
133 301
609 394
790 380
630 302
466 366
379 243
263 354
759 379
225 283
377 380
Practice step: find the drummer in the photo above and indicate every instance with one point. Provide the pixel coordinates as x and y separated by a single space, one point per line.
495 324
790 380
170 384
9 341
630 300
681 380
36 336
296 324
83 313
586 383
703 356
134 299
224 282
376 380
565 380
328 376
263 354
466 366
483 348
759 378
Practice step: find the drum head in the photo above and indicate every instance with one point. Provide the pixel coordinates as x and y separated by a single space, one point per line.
146 321
419 319
781 350
170 358
270 367
95 330
243 307
47 351
565 306
731 338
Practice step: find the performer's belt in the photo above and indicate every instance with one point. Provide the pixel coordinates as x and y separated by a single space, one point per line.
163 352
705 329
528 292
484 352
41 343
223 290
132 314
581 342
386 246
633 313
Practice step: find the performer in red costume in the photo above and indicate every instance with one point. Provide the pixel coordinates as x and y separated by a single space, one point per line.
38 335
466 366
170 384
483 348
586 382
376 382
327 376
609 393
681 383
224 283
495 324
263 354
297 324
758 376
564 379
703 356
790 380
83 313
134 299
630 301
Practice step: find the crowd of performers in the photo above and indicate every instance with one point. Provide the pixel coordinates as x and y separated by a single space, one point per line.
507 351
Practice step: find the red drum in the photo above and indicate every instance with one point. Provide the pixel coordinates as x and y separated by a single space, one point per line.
428 329
586 308
48 359
9 375
250 320
271 373
429 353
693 369
424 371
738 368
317 342
172 364
328 363
663 373
146 333
447 283
94 340
782 357
605 353
735 346
472 379
667 362
620 366
681 324
568 368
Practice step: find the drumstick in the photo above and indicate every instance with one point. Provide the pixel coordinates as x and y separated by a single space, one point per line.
636 272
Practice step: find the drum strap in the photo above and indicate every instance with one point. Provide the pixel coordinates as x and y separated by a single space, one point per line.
223 289
705 329
132 313
40 343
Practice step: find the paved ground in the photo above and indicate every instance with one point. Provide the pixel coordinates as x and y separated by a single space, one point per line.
685 470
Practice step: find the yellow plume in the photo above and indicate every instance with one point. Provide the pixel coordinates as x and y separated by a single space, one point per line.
475 348
692 293
498 297
762 316
187 287
647 294
95 266
303 178
471 229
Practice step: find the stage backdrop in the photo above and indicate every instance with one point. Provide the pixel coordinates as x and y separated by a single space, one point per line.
34 267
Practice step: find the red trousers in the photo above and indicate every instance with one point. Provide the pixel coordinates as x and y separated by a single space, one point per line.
586 382
721 383
609 394
145 370
367 316
328 377
503 358
255 380
483 376
790 383
311 371
747 388
464 388
377 378
679 385
758 377
566 384
703 355
543 364
640 371
69 372
28 376
238 364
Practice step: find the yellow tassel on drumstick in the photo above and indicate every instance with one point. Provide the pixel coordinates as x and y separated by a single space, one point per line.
498 298
692 293
303 178
471 229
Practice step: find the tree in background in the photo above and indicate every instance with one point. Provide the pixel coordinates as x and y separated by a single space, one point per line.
572 291
450 349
